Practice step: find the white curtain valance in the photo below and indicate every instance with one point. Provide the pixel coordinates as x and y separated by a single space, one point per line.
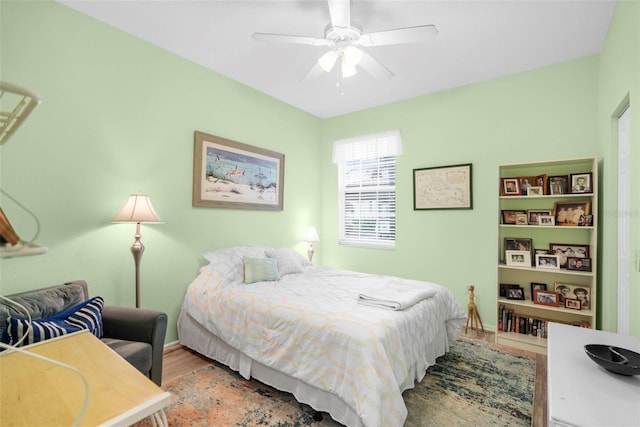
367 147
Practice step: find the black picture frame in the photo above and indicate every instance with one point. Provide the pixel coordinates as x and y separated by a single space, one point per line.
581 183
515 293
504 287
537 286
443 187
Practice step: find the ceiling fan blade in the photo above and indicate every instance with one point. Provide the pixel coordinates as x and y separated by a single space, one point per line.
372 66
340 11
419 34
282 38
315 72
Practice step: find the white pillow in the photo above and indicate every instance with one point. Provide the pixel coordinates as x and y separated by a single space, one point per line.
289 261
260 270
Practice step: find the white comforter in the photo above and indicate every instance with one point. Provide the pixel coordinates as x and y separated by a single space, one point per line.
311 327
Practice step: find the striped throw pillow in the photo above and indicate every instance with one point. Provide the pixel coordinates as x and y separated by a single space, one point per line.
86 315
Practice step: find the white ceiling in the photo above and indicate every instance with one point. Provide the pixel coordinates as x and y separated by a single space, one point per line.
478 40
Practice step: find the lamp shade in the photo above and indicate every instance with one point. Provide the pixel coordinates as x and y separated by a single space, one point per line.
138 209
312 235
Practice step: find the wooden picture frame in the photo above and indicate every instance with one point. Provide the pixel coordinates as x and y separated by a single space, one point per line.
510 187
549 298
509 216
581 182
231 174
569 213
522 219
443 187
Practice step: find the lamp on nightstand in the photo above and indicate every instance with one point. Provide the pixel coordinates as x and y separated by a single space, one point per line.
312 236
138 209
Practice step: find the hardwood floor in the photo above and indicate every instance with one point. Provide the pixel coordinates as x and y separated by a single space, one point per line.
179 360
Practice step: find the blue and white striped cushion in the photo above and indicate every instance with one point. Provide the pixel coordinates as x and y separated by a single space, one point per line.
87 315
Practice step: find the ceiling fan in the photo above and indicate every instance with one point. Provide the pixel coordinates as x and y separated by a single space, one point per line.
345 41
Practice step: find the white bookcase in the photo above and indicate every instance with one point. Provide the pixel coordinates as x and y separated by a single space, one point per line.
526 328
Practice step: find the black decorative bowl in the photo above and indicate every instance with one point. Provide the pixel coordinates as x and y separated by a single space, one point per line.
615 359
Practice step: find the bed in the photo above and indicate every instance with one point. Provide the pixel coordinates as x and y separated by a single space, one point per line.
310 333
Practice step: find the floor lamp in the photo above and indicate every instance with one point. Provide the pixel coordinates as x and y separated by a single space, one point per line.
138 209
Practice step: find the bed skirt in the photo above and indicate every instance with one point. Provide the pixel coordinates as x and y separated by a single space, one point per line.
194 336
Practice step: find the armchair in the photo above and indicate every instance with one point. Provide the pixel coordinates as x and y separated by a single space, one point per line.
135 334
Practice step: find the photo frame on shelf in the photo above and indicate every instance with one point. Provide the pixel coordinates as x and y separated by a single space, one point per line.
515 293
518 258
535 190
585 221
538 286
526 182
504 287
534 215
569 213
510 187
518 244
544 297
572 303
509 217
582 293
551 262
581 182
522 219
558 184
547 220
541 181
578 264
568 250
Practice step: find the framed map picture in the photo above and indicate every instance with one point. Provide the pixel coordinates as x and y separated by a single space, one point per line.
443 187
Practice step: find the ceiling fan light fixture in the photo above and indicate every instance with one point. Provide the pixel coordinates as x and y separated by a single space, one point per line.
348 70
351 55
328 60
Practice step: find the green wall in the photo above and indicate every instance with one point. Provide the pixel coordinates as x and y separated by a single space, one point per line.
619 86
548 113
118 117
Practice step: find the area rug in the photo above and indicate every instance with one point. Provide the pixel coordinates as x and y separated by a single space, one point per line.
474 384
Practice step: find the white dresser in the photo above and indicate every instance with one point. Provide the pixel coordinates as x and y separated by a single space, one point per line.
580 392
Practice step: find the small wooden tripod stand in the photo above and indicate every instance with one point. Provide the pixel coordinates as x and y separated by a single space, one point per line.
473 318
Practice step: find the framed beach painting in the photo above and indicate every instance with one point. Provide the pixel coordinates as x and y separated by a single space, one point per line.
230 174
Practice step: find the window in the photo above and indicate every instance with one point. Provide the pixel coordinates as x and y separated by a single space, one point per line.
367 188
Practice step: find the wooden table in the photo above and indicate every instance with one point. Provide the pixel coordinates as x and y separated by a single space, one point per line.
35 392
580 392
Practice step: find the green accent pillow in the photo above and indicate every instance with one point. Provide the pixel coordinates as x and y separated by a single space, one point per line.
260 270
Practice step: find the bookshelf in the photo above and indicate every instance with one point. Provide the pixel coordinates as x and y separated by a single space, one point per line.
547 236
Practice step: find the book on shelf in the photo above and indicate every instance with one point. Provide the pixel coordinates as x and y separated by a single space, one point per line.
510 321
